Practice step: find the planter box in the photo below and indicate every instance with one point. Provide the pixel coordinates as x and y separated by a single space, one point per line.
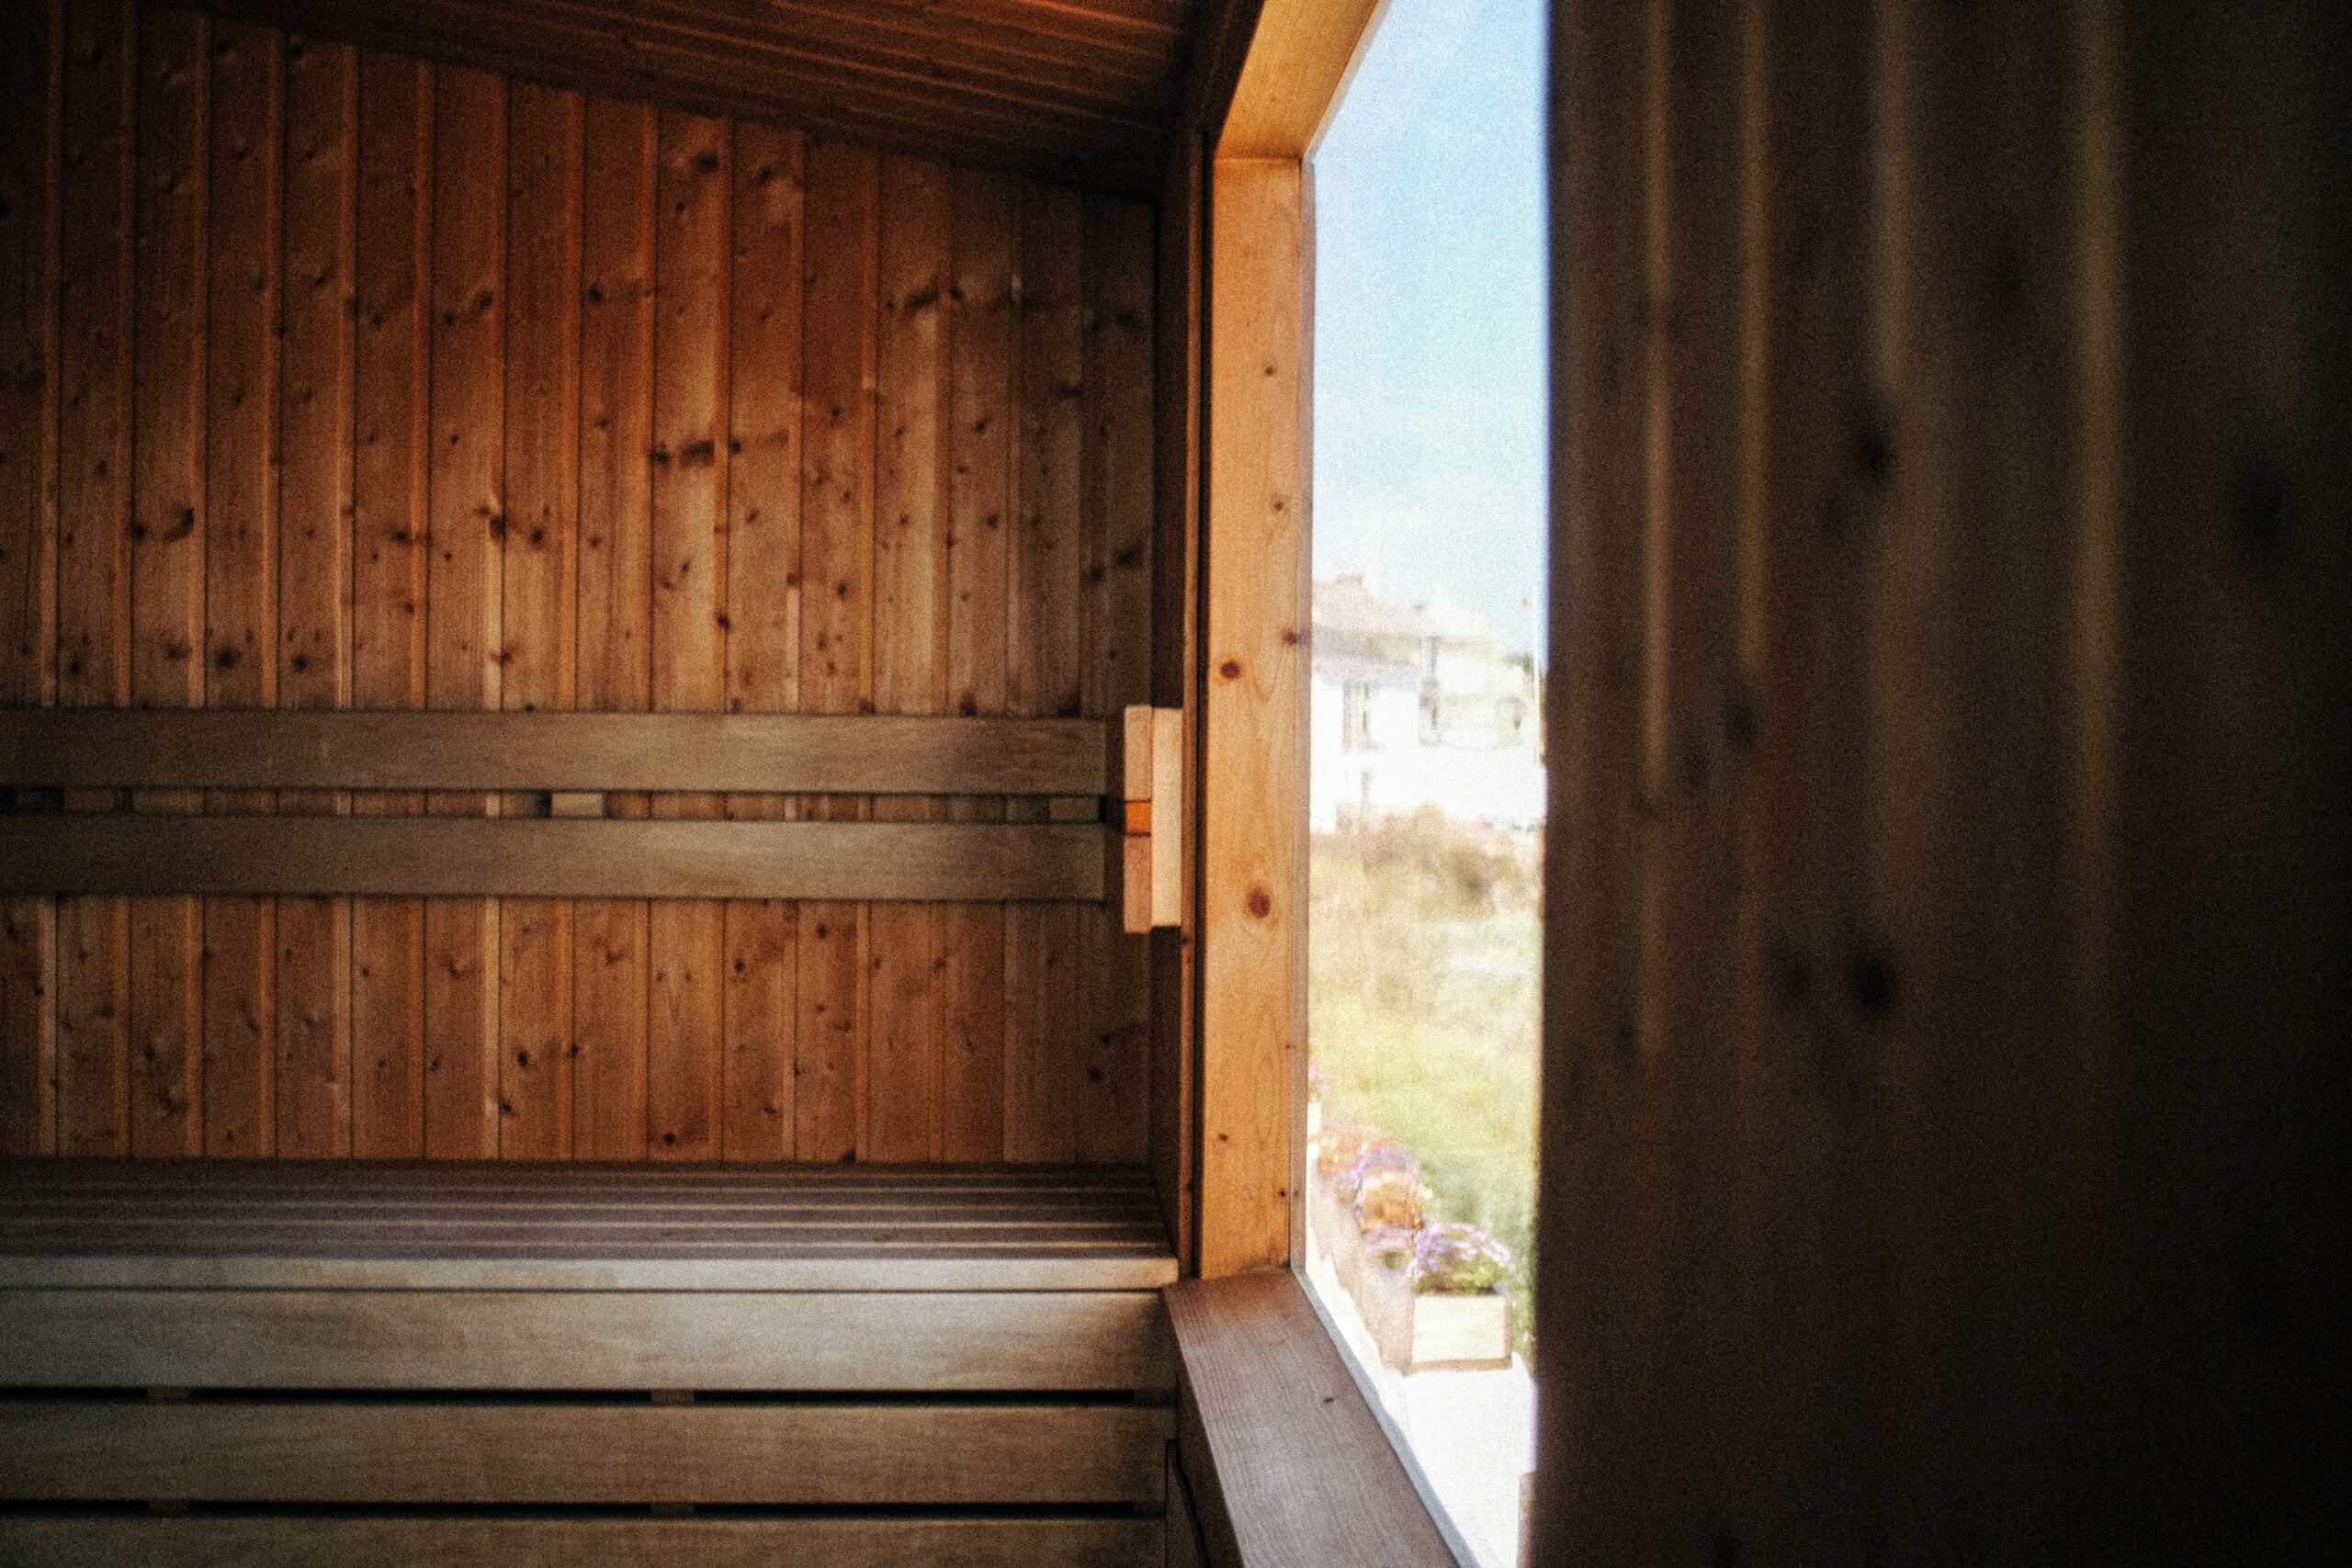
1432 1333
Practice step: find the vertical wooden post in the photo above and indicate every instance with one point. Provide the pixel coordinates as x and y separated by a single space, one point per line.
1253 803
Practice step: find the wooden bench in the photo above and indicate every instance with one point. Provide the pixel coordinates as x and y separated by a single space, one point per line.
383 1363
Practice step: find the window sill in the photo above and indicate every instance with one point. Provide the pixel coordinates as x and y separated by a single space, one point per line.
1287 1461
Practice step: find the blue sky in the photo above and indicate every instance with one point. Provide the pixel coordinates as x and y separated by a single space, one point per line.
1429 313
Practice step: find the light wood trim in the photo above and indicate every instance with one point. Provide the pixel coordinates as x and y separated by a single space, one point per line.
845 1341
867 754
132 1449
1254 803
1169 806
1297 67
549 858
1286 1461
302 1541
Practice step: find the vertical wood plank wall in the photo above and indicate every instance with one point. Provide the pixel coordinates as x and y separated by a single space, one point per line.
337 377
1944 1093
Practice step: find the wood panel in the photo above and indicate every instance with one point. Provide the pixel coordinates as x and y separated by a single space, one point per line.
693 240
1935 1001
542 858
466 523
365 373
842 237
84 1451
540 583
1176 668
1083 93
239 936
763 598
1033 1341
1044 658
615 595
93 617
270 1541
1117 450
910 522
312 1076
167 545
392 225
1253 885
981 326
31 87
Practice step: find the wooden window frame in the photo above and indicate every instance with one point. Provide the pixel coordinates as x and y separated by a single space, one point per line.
1359 1496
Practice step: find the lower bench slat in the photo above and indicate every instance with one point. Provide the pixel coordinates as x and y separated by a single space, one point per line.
329 1451
528 1340
295 1541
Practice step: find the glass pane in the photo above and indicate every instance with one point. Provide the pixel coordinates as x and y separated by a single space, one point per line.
1427 744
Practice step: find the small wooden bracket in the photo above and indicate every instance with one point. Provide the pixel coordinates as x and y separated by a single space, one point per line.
1148 866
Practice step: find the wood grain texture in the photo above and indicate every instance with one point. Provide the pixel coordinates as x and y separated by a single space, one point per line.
911 525
832 1454
1081 92
759 1007
168 541
466 523
1044 658
477 1225
615 595
390 408
312 1081
981 332
1116 454
1934 1000
842 210
1286 1460
693 243
540 580
363 367
96 159
242 277
1253 884
475 1542
1300 57
31 112
390 750
1171 1131
556 858
1033 1341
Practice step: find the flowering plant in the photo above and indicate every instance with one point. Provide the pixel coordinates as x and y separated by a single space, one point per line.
1458 1260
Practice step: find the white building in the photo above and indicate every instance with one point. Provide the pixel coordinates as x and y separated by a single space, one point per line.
1420 705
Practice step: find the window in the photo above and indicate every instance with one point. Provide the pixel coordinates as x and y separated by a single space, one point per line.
1425 854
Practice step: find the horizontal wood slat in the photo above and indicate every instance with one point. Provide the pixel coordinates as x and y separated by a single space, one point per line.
489 1226
253 1451
297 1540
688 753
1001 1341
549 858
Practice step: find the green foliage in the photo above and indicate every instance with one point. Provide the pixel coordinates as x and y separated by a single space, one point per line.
1424 957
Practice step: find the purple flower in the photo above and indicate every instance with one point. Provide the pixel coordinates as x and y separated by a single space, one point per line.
1458 1260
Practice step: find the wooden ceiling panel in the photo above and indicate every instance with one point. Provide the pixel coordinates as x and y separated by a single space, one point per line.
1085 91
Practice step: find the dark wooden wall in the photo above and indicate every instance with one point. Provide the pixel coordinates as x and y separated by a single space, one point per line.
335 377
1944 1101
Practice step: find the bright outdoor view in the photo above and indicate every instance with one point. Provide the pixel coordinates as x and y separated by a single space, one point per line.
1428 744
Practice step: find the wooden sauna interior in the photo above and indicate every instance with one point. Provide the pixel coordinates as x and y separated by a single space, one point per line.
652 869
568 630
